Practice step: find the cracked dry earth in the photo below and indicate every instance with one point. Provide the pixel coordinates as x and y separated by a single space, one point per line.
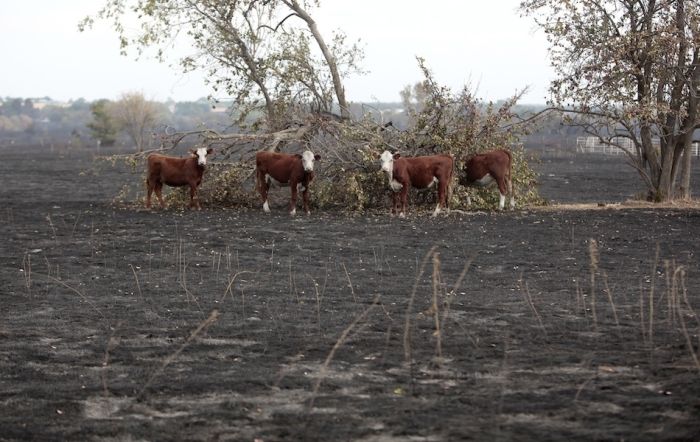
537 324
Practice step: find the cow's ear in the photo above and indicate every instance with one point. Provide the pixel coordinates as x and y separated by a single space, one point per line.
297 155
210 151
317 157
193 152
397 156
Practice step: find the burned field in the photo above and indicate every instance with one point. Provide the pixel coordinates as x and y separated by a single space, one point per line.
536 324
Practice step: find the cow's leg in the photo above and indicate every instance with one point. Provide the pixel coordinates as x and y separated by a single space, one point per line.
442 197
293 201
403 195
305 199
159 194
194 197
510 191
502 189
437 210
394 203
149 187
263 188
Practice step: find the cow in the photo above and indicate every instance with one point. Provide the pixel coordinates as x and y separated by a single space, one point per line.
282 169
176 172
483 169
419 172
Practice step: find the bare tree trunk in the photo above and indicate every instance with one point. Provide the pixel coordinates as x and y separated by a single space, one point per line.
665 186
690 124
686 163
651 159
330 59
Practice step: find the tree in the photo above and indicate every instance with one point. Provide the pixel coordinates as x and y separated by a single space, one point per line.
136 116
631 70
254 50
103 127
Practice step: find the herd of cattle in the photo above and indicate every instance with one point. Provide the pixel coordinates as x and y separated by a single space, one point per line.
297 172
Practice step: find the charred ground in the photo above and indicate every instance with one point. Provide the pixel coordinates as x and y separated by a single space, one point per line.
232 325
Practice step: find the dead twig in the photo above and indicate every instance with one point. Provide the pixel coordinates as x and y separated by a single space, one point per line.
436 308
347 275
213 317
409 308
528 299
341 340
594 259
79 293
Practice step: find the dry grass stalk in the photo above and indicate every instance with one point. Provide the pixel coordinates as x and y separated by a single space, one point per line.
594 260
112 343
347 275
608 292
318 302
503 374
456 287
436 307
680 274
528 298
325 280
230 284
409 309
213 317
188 294
218 265
583 385
75 224
580 300
641 312
293 283
181 261
651 297
53 229
79 293
138 286
684 290
670 302
27 272
341 340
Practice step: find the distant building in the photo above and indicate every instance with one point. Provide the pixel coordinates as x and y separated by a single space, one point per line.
41 103
594 145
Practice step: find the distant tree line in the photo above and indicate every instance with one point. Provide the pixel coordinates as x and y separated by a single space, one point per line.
44 121
130 121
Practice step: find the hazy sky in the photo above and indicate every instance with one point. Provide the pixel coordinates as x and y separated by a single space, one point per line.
482 43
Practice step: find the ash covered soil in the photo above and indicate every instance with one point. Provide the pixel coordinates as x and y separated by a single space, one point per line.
533 324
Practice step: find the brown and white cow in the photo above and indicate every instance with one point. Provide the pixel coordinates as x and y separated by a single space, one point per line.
283 169
483 169
419 172
176 172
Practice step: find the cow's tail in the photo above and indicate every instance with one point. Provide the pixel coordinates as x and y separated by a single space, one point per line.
509 181
258 183
450 183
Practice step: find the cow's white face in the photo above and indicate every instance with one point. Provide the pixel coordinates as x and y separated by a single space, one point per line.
307 160
387 160
201 154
